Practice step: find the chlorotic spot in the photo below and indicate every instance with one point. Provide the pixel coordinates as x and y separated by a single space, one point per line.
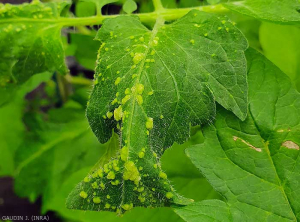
139 99
83 194
219 28
118 80
149 123
116 182
108 197
107 206
125 99
124 153
140 88
155 166
223 22
114 101
127 206
131 172
206 34
118 113
150 93
131 37
161 117
141 154
96 200
140 189
162 175
127 91
102 185
95 185
142 39
192 41
111 175
100 173
109 115
142 199
86 179
169 195
138 57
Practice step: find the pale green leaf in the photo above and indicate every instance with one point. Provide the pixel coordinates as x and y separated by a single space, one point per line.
279 40
30 43
278 11
213 2
150 87
254 164
100 3
129 6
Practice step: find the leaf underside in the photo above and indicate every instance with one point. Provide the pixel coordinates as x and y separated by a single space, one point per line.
254 164
278 11
150 87
30 43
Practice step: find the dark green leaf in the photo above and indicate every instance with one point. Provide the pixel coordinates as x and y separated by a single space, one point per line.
30 43
150 87
254 164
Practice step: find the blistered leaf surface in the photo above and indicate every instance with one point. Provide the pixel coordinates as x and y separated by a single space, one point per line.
30 43
150 86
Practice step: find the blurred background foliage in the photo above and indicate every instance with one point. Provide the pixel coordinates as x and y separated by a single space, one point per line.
47 146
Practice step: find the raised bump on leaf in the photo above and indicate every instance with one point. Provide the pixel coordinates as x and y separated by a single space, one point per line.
164 86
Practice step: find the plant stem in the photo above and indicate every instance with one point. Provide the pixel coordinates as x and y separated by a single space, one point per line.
157 5
166 14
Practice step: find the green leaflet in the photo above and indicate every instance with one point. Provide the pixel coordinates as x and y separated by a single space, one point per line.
175 163
11 132
30 43
52 151
129 6
277 40
278 11
254 164
99 4
150 86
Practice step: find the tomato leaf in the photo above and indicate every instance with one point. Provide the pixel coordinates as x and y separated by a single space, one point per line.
278 11
254 164
30 43
150 86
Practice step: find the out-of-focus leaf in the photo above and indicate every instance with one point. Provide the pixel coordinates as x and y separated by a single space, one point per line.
53 151
85 8
86 49
30 43
281 44
278 11
129 6
100 3
11 124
